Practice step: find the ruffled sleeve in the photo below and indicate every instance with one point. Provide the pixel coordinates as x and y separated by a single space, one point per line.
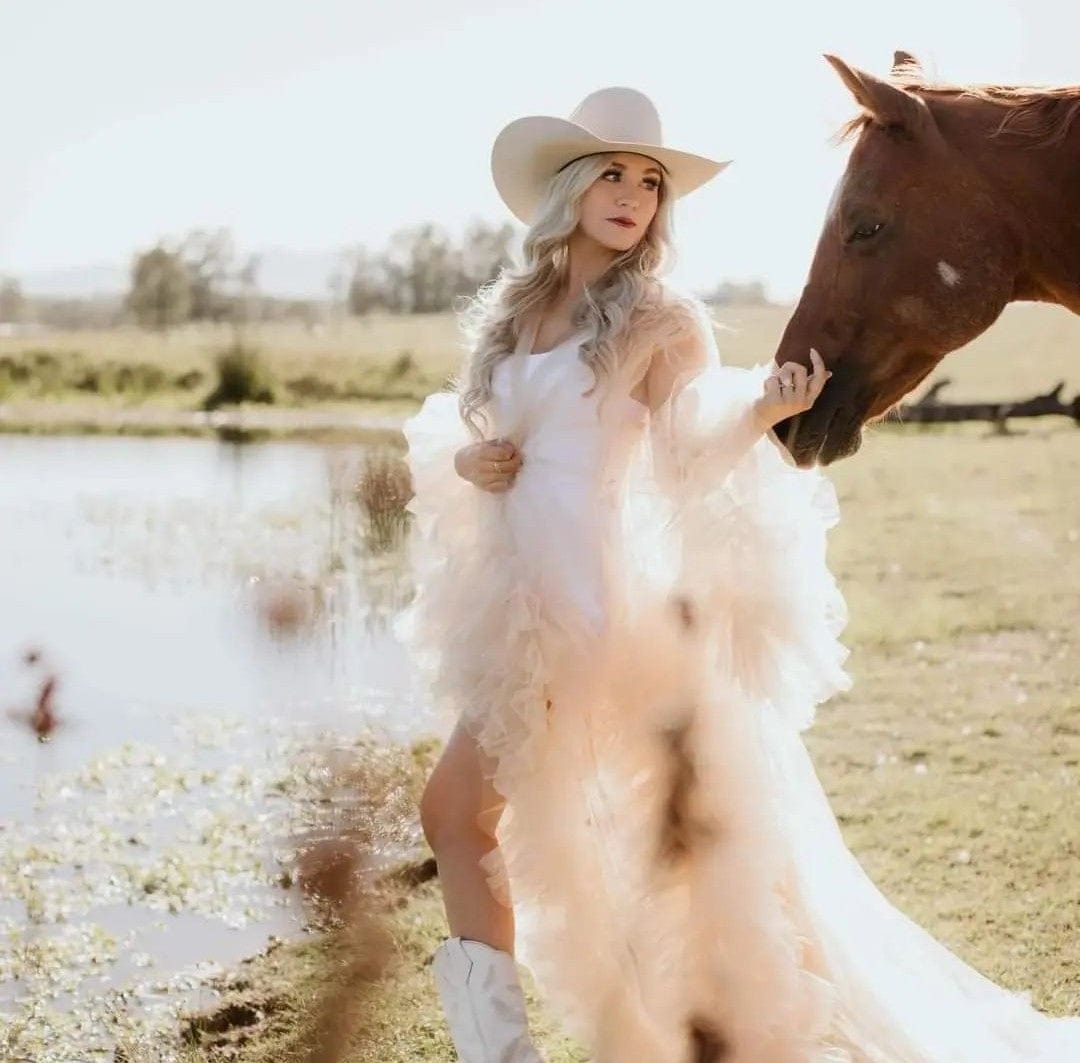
751 532
472 626
443 543
441 499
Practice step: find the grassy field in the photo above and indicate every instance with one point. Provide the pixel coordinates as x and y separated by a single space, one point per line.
953 764
385 365
388 363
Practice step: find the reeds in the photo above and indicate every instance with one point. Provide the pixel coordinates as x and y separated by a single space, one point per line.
383 489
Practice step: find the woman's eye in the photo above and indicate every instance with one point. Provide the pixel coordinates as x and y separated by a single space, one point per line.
865 230
650 182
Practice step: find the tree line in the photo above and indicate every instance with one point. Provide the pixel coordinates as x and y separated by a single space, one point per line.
202 278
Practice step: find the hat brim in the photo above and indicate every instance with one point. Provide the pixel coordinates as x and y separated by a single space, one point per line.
530 150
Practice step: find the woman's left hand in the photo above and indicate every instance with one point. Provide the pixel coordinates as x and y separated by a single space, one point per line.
790 389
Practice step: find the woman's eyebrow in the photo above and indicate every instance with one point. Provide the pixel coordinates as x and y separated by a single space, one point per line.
649 170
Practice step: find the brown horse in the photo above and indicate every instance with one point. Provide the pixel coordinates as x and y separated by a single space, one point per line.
955 201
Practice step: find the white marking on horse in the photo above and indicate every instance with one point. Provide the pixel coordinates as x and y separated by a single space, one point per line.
949 274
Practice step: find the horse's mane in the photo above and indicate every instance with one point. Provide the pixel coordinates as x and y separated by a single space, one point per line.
1043 114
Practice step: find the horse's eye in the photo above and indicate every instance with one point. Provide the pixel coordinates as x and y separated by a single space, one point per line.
865 230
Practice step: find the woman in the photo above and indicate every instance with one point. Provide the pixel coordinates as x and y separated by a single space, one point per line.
623 606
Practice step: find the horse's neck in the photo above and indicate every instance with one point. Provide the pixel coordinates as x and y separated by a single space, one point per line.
1040 188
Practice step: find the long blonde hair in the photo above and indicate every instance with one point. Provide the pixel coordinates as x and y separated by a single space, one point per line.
615 315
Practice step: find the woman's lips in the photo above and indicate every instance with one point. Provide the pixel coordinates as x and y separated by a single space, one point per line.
624 224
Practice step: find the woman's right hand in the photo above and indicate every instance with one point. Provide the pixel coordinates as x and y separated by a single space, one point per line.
490 464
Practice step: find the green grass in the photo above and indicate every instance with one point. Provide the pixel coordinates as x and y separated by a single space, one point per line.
388 363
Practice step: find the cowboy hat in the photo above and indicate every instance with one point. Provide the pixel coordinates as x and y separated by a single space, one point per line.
529 151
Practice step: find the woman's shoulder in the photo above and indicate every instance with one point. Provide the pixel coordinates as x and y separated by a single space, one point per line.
671 317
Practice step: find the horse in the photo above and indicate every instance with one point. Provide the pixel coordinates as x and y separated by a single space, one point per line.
955 201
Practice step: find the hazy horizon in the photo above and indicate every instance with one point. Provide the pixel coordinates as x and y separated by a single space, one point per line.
312 127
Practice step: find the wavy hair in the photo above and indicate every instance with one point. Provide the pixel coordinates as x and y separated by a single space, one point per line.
617 311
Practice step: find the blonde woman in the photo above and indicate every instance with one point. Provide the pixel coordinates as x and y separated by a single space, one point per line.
624 610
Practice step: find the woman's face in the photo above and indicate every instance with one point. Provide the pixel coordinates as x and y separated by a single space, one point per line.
628 188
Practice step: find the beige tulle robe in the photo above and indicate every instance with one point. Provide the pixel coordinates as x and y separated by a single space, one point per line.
636 633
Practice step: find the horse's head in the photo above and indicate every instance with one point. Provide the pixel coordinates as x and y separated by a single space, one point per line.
916 258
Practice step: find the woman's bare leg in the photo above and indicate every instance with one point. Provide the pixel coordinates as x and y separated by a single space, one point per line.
459 812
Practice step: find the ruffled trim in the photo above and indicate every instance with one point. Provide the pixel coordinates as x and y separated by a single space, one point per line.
584 783
473 625
749 541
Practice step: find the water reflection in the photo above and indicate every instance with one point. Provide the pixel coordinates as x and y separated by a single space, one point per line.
140 565
164 583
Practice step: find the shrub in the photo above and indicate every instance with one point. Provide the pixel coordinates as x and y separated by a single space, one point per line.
242 376
401 366
190 380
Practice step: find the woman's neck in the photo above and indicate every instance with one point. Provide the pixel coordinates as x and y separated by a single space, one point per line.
587 261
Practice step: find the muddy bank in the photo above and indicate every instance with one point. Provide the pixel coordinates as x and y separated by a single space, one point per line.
353 994
139 880
361 423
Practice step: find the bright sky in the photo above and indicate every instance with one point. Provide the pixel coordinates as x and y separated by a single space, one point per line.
312 124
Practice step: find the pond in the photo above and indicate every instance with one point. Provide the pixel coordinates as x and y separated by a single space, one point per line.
191 613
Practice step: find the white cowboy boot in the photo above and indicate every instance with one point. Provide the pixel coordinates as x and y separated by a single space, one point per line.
484 1003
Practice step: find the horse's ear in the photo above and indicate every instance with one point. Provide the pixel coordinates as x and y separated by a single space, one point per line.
906 65
887 104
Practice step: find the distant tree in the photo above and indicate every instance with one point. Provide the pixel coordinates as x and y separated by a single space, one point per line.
422 269
728 293
12 301
160 295
208 257
366 284
485 249
245 298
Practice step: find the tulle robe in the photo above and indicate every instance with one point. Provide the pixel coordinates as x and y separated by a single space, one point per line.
636 634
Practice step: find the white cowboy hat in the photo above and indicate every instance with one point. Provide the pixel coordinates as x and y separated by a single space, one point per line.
530 150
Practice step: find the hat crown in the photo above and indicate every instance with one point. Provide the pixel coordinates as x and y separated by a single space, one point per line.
619 113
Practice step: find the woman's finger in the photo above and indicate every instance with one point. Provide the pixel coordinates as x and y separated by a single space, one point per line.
492 483
796 371
819 377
